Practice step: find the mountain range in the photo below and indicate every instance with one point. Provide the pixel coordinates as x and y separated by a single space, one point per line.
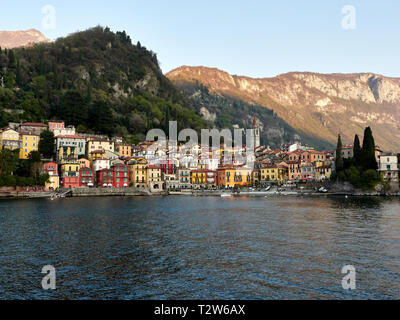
15 39
317 105
101 82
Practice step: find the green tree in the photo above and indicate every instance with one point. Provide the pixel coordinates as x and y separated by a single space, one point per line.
339 156
73 108
46 144
8 161
357 149
367 157
11 58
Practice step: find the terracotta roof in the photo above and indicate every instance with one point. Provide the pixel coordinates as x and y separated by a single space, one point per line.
70 137
152 166
33 124
26 133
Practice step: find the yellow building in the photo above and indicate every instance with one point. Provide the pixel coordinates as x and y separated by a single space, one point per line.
99 144
153 174
67 152
138 172
154 178
256 175
53 183
9 139
274 173
231 176
29 143
70 166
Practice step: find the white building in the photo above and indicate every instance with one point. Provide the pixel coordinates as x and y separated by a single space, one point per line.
100 164
388 166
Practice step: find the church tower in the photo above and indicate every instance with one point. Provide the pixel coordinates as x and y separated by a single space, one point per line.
256 133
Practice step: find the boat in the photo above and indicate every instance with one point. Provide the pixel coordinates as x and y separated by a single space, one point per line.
225 195
323 190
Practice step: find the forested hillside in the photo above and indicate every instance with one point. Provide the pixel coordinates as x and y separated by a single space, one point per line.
96 80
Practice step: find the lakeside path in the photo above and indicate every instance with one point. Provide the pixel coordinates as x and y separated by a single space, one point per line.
131 192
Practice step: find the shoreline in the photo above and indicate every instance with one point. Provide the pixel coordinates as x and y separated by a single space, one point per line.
130 192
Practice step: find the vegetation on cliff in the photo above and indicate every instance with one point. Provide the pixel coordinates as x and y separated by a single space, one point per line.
96 80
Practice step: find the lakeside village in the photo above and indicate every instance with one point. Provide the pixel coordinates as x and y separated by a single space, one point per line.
77 163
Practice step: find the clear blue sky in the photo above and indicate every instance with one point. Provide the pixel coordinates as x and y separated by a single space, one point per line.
258 38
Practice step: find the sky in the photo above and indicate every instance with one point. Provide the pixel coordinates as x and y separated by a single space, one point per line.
255 38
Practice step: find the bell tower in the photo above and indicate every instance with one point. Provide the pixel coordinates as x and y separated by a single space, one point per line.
256 133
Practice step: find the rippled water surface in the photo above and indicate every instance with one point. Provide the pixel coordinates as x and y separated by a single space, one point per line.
200 248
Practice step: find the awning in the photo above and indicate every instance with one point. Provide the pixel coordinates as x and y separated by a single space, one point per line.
110 185
105 185
125 185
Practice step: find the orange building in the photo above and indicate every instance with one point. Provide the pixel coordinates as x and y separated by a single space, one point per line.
125 150
231 176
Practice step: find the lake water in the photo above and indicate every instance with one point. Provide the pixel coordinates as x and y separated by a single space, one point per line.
200 248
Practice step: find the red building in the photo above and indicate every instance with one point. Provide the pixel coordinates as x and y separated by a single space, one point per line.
51 168
104 178
168 167
56 125
120 175
86 177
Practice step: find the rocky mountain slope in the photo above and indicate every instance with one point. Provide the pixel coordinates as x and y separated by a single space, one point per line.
320 105
15 39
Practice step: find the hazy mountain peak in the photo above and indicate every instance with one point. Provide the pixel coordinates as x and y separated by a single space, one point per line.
20 38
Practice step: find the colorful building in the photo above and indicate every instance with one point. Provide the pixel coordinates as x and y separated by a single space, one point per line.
294 170
98 160
84 163
120 175
100 144
104 178
307 171
256 177
154 178
9 139
70 174
323 172
203 178
70 146
125 150
274 173
56 125
183 176
233 176
168 167
51 168
29 143
86 177
138 172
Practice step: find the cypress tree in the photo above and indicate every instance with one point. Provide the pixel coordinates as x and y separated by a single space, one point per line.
339 156
357 149
11 58
368 160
